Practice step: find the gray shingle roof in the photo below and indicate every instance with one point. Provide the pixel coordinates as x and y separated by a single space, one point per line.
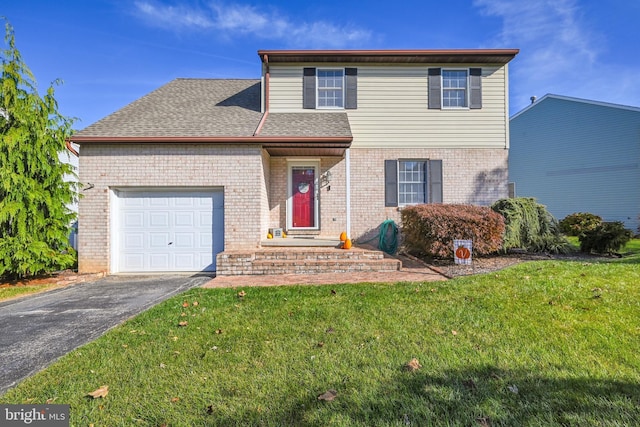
187 108
323 124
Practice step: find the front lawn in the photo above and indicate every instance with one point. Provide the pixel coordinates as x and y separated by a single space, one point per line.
538 344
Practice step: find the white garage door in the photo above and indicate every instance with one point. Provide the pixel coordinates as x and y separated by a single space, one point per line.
168 230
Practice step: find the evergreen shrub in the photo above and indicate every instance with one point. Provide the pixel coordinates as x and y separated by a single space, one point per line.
430 229
608 237
529 226
580 222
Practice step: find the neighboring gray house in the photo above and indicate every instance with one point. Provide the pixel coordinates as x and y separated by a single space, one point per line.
577 155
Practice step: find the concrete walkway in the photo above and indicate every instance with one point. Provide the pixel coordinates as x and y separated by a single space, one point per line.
412 271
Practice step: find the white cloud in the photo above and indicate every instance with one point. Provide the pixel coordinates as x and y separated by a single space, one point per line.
234 20
559 52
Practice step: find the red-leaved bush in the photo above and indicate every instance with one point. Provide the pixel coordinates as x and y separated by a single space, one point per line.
430 229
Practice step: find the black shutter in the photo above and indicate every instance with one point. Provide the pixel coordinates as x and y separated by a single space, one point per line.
435 88
351 83
309 88
435 181
391 183
475 85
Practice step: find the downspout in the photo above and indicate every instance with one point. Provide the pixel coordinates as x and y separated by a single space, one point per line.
347 157
73 151
265 60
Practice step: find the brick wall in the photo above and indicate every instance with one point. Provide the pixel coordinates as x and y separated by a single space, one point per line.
473 176
239 170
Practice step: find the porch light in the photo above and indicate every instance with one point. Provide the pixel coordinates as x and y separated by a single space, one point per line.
325 179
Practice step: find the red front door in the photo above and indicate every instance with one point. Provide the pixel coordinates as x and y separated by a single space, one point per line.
303 196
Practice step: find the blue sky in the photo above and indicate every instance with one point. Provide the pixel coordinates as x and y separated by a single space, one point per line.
111 52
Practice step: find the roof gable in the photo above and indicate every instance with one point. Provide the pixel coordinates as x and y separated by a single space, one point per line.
572 99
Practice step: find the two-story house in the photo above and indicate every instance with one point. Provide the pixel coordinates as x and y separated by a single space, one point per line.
324 142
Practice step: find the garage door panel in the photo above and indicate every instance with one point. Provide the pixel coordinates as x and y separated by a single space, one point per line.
158 202
169 230
159 219
134 240
133 219
159 241
159 262
185 240
133 262
186 219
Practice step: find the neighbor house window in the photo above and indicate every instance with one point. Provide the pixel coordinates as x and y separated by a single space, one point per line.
330 88
412 182
454 88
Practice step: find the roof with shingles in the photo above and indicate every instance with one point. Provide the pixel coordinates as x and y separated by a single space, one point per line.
323 124
186 108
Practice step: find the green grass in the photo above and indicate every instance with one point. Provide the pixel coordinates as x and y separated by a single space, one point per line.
564 335
13 291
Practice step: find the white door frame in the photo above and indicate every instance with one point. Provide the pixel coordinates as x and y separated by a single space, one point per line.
315 164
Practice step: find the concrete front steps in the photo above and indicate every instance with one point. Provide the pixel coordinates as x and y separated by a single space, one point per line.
297 260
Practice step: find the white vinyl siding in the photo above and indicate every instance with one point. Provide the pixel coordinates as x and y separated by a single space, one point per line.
392 107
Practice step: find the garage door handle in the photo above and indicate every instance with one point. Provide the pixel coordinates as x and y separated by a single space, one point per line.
170 243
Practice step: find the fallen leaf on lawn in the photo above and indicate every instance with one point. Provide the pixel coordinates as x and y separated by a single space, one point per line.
483 421
195 303
413 365
513 389
433 289
175 399
470 384
210 409
417 290
185 304
124 346
50 401
242 294
333 292
328 395
218 331
330 330
183 323
320 344
100 392
183 314
454 332
174 338
162 365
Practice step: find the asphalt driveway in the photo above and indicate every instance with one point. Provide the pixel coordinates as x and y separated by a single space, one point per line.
37 330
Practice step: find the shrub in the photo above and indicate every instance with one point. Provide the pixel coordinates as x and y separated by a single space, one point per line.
528 225
430 229
578 223
608 237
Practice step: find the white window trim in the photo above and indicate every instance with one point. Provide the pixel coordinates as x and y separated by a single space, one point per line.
466 92
315 163
426 181
344 88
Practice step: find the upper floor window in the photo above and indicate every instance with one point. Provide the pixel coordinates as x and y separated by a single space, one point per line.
451 88
330 88
454 88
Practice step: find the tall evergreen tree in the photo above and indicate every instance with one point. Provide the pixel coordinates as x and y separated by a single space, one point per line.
34 216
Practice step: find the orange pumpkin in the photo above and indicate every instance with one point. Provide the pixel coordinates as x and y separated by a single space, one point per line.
347 244
463 252
343 236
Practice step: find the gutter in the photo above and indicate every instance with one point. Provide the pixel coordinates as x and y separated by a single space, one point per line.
214 139
67 143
